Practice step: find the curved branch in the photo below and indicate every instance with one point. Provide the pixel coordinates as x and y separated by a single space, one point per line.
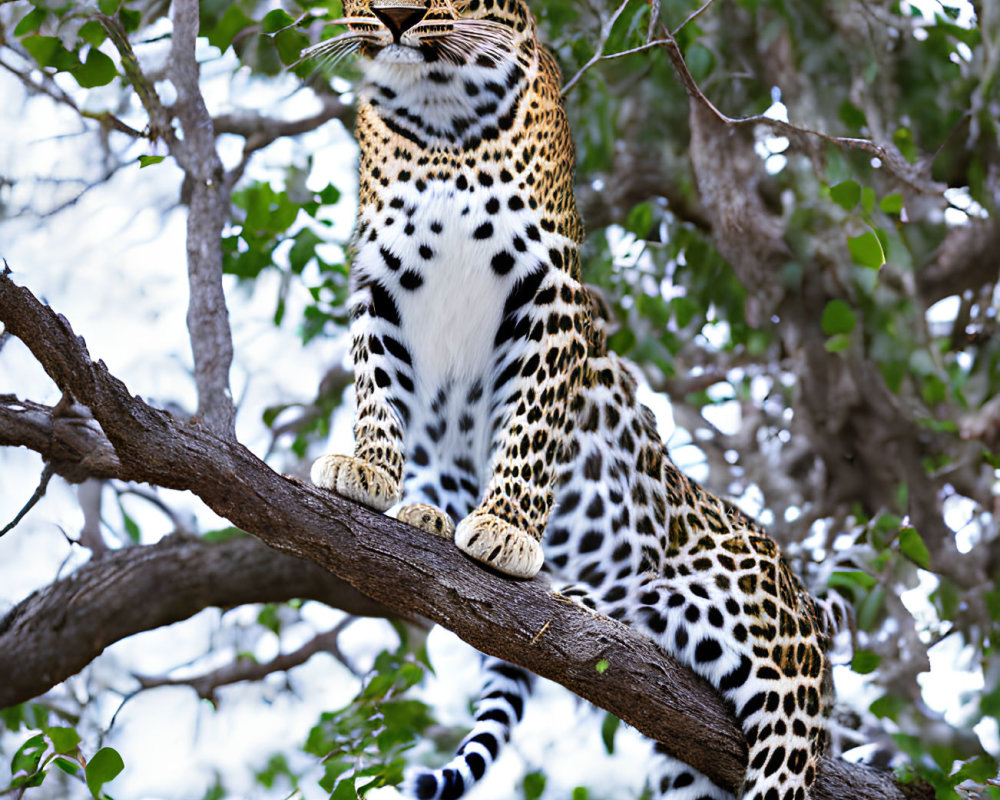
413 572
247 669
58 630
260 130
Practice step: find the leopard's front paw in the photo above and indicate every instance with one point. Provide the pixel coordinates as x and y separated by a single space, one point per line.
499 544
356 480
428 518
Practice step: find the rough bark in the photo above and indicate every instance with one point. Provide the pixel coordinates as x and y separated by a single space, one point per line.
208 194
58 630
410 572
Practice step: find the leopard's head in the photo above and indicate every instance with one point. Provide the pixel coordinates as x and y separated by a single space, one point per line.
439 73
453 32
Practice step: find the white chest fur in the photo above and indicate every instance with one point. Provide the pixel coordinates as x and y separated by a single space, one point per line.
434 254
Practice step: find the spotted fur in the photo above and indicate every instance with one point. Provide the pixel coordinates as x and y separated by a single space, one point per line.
486 396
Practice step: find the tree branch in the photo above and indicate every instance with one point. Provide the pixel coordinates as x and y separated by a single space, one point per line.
412 572
966 259
209 189
58 630
247 669
259 130
66 436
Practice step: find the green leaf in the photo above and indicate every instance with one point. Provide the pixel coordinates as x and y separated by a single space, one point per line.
868 200
892 203
108 7
290 43
852 116
25 715
104 767
534 785
232 22
48 51
903 139
865 661
837 343
992 599
29 755
329 195
866 250
148 161
838 318
131 526
67 766
608 729
913 547
222 534
946 599
978 769
92 33
303 250
64 740
846 194
131 19
269 618
852 580
640 220
344 791
870 609
601 666
888 705
684 310
275 20
97 70
31 21
700 61
989 703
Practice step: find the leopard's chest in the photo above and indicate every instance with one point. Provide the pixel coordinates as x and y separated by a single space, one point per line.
448 256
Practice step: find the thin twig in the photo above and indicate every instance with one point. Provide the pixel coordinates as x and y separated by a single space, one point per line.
245 669
892 159
599 53
39 493
692 16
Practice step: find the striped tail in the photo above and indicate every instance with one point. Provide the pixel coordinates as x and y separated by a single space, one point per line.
499 708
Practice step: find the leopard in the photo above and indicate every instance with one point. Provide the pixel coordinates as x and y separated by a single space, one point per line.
490 409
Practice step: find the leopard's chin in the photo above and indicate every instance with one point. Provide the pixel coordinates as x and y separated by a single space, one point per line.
399 54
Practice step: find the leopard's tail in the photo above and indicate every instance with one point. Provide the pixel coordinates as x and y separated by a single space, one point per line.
499 708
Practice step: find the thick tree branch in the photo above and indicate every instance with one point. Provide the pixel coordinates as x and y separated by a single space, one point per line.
966 259
58 630
414 573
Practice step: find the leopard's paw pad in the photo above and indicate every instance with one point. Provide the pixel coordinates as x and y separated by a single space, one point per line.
498 544
428 518
355 480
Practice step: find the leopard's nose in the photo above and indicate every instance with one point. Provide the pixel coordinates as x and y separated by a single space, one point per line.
399 17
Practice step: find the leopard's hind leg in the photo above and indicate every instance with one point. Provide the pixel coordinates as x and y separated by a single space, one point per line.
768 667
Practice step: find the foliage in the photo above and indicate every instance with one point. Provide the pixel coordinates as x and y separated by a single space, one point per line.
856 365
362 744
56 746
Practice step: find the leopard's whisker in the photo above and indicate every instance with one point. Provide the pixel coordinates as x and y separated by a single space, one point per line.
331 51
